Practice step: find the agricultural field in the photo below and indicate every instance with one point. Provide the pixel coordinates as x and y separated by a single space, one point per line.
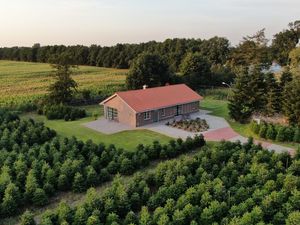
25 81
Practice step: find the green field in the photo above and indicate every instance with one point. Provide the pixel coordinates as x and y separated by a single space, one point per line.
24 81
128 140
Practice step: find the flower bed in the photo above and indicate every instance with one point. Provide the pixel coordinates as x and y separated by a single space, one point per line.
196 125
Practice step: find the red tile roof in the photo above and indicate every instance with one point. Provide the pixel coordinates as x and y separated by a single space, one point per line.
159 97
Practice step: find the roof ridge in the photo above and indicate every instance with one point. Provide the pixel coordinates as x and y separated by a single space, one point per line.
151 88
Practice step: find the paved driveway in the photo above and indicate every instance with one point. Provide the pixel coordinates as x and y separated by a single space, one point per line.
219 129
107 126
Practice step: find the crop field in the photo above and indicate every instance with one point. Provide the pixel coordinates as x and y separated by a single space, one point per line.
24 81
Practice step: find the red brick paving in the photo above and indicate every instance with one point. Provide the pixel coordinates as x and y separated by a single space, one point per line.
220 134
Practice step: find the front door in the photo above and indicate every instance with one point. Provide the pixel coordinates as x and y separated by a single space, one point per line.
155 116
178 110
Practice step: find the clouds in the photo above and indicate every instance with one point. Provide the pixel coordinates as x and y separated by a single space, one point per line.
107 22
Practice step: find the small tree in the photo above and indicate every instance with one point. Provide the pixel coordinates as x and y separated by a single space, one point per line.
297 135
281 134
39 197
271 132
27 218
11 200
78 183
263 131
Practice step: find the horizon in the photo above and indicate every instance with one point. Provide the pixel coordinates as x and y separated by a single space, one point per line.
107 23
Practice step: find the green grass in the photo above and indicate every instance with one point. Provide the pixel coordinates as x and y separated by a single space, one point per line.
220 108
126 139
25 81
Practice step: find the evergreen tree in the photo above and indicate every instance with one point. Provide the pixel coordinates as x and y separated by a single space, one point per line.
271 132
78 183
27 218
273 95
39 197
281 134
10 200
297 135
31 185
291 106
247 96
61 91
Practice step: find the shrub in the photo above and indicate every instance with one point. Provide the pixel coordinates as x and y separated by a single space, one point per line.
271 132
297 135
289 133
255 127
62 112
281 134
263 131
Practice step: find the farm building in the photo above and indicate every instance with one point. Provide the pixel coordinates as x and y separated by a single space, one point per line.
149 105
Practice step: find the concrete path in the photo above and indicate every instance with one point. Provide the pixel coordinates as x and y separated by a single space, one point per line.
219 129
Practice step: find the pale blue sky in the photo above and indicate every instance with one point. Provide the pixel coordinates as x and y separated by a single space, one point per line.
107 22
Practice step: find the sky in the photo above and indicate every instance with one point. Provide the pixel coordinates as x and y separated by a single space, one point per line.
108 22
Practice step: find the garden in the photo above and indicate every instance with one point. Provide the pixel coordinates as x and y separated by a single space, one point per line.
193 125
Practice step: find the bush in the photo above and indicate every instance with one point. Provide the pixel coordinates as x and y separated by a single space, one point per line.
255 127
289 133
281 134
62 112
271 132
297 135
276 132
263 131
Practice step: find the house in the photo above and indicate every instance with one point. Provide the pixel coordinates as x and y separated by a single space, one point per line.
149 105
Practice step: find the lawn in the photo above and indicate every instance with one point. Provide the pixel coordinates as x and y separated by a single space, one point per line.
25 81
220 108
126 139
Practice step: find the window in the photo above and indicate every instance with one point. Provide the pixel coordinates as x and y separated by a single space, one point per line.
162 112
112 113
147 115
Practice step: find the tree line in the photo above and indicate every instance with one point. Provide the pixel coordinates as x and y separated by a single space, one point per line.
228 183
35 164
216 50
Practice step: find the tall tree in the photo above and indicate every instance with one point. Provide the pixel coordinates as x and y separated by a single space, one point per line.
62 90
273 95
291 106
284 41
195 70
148 69
247 95
253 50
294 57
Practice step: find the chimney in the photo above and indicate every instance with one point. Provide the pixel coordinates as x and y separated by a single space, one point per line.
145 87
